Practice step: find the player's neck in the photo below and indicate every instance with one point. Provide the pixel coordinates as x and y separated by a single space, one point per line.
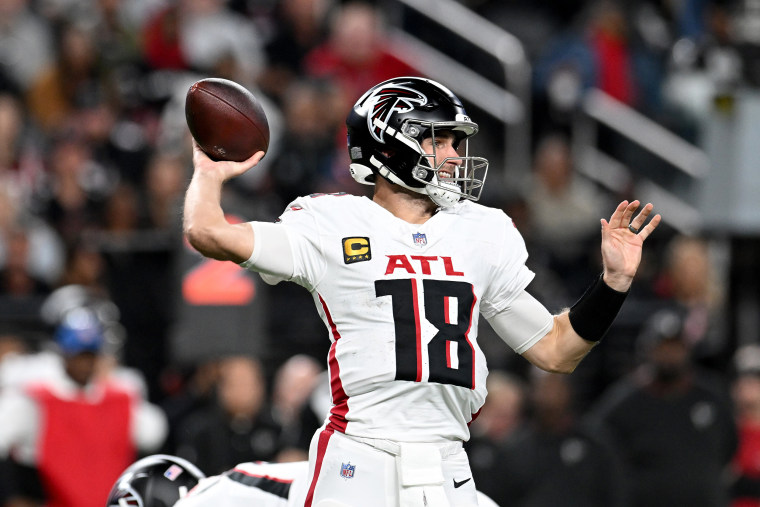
403 203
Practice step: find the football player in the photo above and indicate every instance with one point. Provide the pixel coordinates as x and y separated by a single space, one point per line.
162 480
399 281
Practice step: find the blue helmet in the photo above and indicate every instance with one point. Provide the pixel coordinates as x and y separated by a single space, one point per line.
79 331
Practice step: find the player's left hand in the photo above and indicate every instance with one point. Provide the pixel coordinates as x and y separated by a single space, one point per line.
622 240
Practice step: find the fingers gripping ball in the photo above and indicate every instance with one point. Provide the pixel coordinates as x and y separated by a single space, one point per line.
226 120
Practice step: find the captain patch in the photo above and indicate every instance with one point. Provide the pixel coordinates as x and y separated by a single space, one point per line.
356 249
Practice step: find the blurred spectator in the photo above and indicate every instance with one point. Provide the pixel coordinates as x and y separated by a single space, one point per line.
690 17
672 426
161 37
73 82
94 425
11 343
602 52
45 256
71 201
238 427
26 42
209 31
564 211
745 391
305 162
84 269
117 30
187 390
16 280
555 459
502 418
121 213
690 285
198 34
164 186
21 165
355 56
299 27
609 42
293 384
504 411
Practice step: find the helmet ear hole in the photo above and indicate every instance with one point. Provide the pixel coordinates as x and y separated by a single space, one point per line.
414 131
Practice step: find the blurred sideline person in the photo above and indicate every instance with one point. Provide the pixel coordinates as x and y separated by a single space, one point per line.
161 480
237 426
399 281
292 387
671 422
551 461
77 427
745 394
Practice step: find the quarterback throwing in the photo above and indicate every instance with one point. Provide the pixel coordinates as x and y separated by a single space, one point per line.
399 281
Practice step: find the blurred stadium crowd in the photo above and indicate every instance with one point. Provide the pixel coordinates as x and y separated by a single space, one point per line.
95 158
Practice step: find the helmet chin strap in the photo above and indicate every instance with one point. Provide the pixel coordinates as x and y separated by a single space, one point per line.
437 193
442 197
443 193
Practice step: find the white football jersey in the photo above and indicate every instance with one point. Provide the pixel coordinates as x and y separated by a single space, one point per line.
262 484
257 484
401 304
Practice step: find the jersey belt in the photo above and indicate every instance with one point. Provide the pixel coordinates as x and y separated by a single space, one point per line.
394 449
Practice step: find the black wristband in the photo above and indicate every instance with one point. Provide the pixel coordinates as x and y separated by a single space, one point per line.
592 315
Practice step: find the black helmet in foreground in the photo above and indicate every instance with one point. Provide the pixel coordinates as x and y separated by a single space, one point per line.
154 481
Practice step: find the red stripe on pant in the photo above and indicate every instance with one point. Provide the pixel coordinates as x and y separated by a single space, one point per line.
324 438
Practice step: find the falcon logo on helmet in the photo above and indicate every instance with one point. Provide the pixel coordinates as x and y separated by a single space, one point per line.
386 129
388 100
127 497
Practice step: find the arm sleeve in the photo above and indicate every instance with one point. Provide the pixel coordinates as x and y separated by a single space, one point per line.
522 323
291 248
149 426
20 421
272 255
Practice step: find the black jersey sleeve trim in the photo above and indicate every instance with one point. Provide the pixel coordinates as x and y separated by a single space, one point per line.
274 485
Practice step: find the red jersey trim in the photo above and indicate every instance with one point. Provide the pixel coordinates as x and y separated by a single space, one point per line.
337 419
417 328
467 336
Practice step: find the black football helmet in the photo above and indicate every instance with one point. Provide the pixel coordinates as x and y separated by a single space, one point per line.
154 481
385 131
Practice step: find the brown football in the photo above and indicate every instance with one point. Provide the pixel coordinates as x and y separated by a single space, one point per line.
226 120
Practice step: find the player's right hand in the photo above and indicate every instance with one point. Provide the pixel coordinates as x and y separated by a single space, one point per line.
224 169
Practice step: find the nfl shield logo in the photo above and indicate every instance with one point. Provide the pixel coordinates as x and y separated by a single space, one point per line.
419 239
347 470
